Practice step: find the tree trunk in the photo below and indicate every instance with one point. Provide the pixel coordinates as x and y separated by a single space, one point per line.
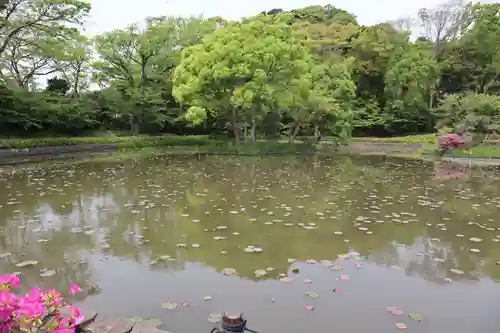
317 133
235 126
253 131
140 112
294 133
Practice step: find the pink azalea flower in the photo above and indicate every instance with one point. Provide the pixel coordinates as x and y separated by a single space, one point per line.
10 280
30 309
73 289
7 300
52 298
35 294
76 315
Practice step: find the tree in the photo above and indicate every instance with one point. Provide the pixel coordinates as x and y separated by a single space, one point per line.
58 85
240 70
49 16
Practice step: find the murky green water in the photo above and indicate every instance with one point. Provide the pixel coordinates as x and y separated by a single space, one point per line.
117 229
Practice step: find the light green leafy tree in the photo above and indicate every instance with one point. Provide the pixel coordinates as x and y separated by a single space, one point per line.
240 71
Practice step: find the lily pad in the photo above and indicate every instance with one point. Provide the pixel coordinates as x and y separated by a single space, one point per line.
169 305
207 298
401 326
415 316
260 272
27 263
456 271
214 318
153 322
135 319
47 273
311 294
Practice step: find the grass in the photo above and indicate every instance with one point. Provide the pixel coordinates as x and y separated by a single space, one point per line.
421 138
121 142
206 145
476 152
174 144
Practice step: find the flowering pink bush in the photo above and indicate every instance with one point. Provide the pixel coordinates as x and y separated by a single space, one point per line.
450 141
38 311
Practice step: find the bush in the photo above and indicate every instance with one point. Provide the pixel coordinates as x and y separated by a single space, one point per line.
39 311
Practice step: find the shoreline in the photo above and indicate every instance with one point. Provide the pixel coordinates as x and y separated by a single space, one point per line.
88 152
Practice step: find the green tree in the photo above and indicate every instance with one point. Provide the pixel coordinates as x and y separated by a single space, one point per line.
240 70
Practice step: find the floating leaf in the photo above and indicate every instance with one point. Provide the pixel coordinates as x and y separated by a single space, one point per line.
456 271
260 272
207 298
214 318
47 273
401 326
153 322
169 305
397 312
415 316
311 294
27 263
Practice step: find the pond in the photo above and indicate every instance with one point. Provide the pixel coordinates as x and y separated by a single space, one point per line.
312 244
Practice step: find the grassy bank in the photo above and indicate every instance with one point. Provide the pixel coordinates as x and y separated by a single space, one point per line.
194 144
490 148
205 144
120 141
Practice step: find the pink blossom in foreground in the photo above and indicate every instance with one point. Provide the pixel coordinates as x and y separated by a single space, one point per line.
9 281
74 289
25 313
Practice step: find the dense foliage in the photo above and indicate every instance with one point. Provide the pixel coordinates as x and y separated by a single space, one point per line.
309 71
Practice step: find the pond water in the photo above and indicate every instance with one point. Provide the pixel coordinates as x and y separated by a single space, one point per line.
353 236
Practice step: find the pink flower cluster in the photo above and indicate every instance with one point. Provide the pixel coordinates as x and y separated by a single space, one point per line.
38 311
450 141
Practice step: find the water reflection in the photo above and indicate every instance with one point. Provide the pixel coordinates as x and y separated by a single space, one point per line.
126 230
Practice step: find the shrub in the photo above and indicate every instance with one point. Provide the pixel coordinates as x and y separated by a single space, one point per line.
40 311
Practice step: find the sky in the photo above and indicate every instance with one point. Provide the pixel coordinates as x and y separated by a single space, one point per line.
114 14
